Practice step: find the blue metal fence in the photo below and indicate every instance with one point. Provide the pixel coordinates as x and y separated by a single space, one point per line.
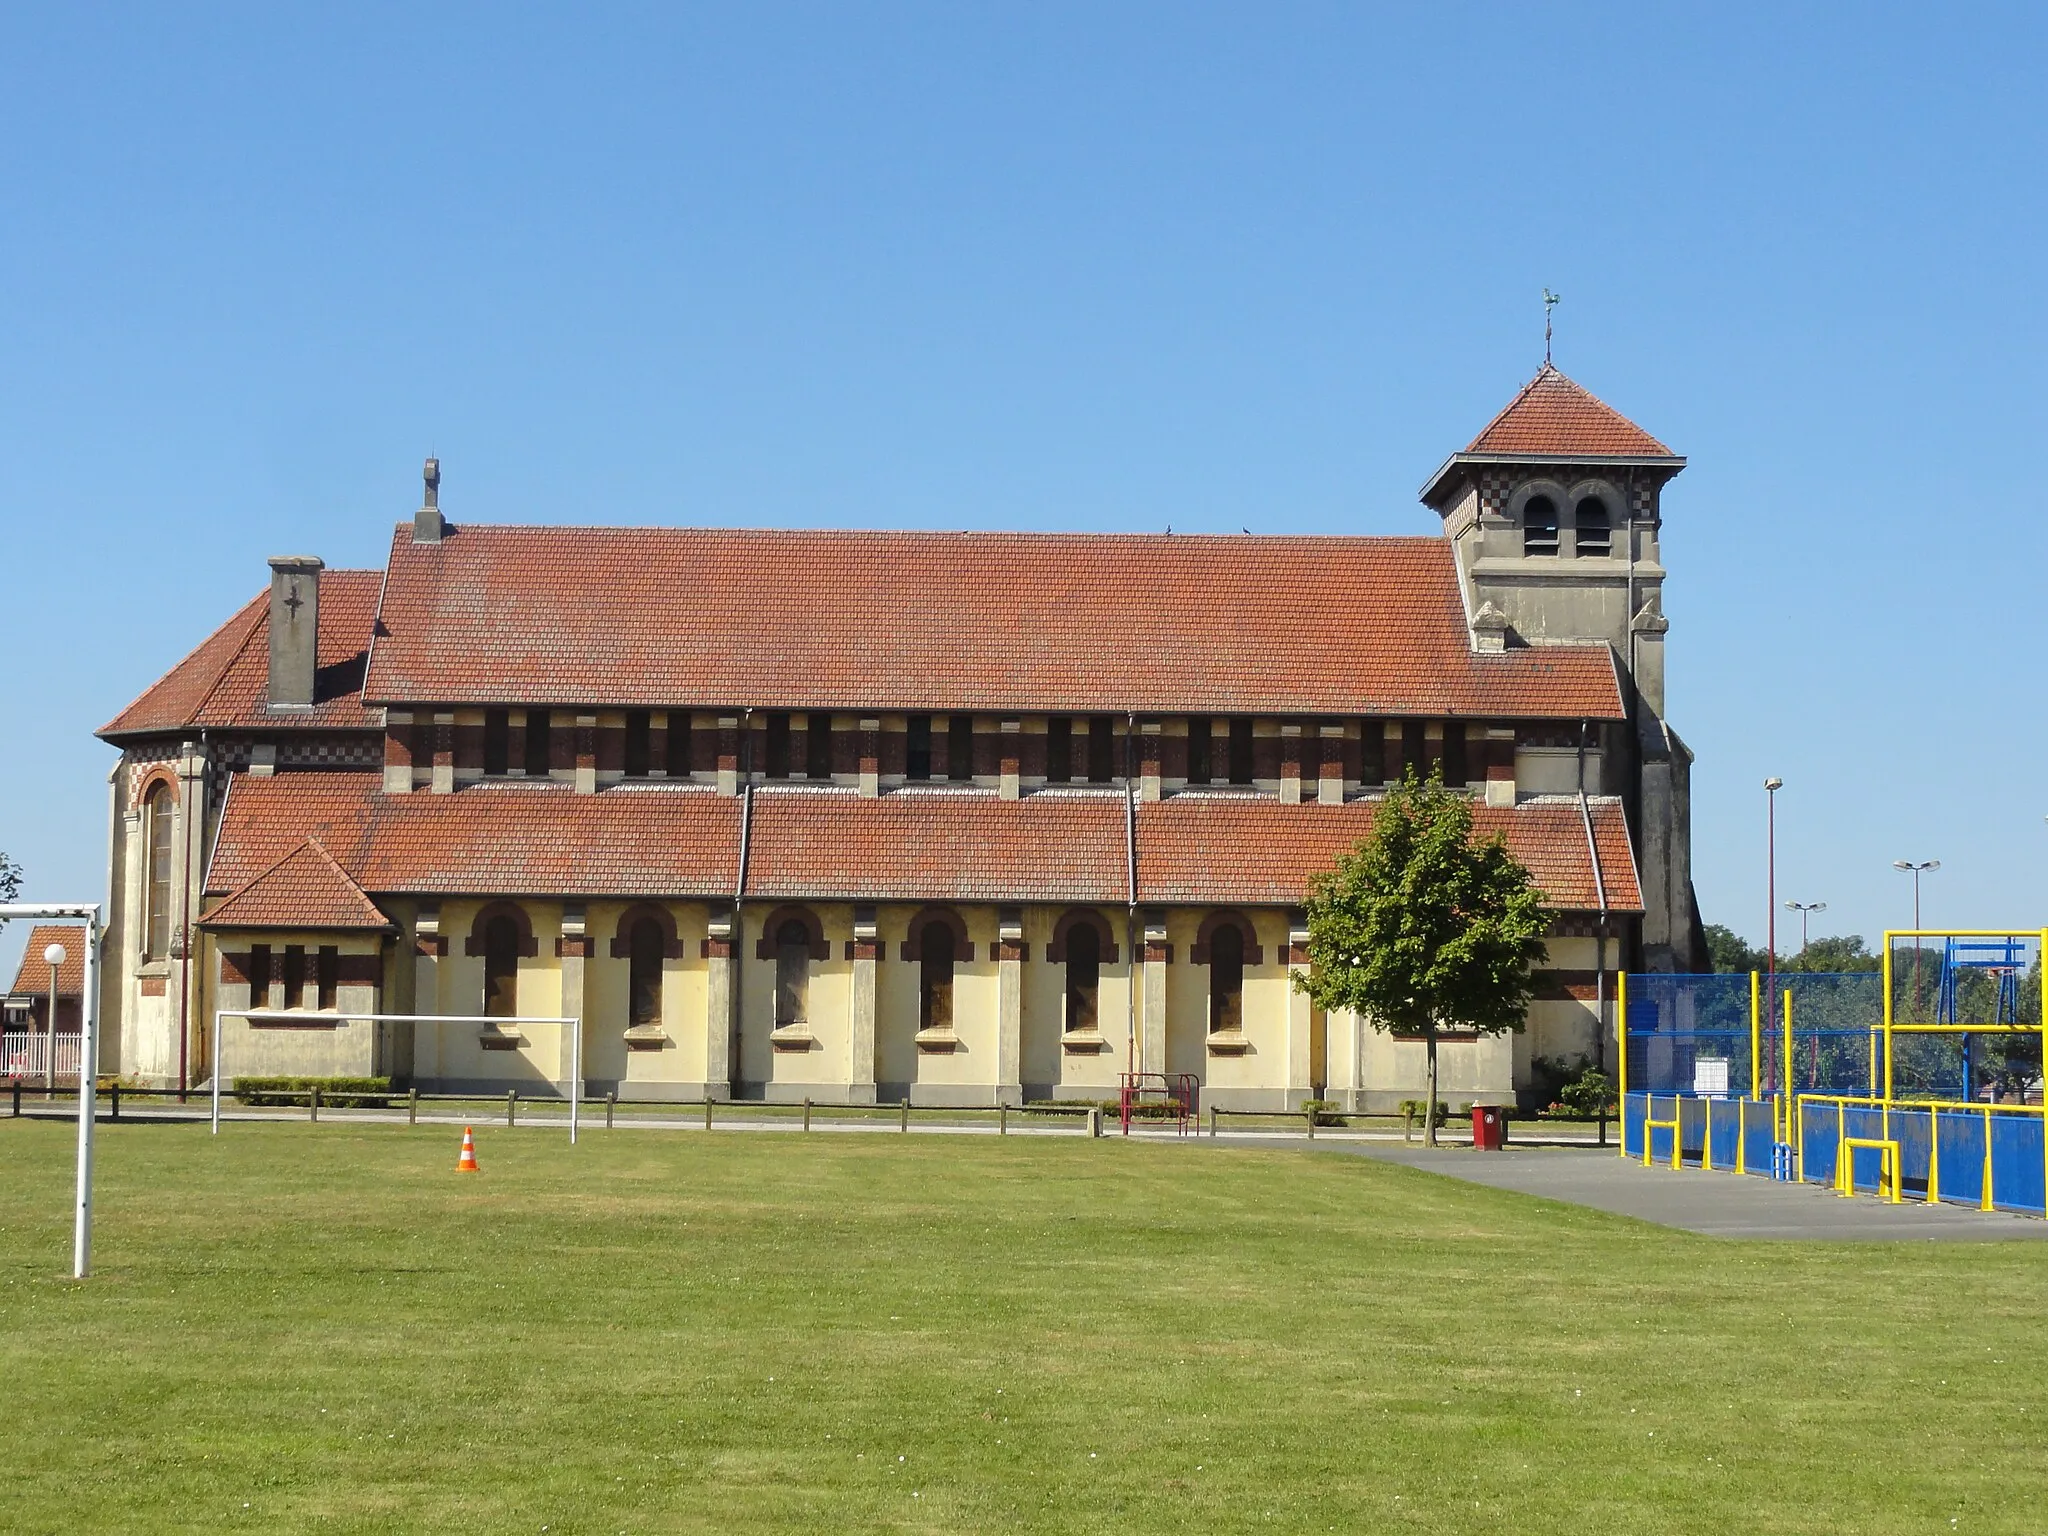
1991 1156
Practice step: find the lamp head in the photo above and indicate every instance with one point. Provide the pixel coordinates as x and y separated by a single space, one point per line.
1774 783
54 955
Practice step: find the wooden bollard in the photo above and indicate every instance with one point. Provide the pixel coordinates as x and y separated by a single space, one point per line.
412 1106
1002 1119
904 1126
117 1101
707 1111
807 1114
611 1103
511 1105
1311 1114
313 1104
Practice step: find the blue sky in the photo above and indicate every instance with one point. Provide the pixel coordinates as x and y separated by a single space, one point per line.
1057 266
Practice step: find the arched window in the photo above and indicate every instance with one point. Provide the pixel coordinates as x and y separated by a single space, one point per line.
935 977
1226 979
501 967
1594 534
158 819
792 973
1539 526
645 945
1084 976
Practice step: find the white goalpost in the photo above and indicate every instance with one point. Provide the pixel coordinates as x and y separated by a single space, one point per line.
507 1033
87 913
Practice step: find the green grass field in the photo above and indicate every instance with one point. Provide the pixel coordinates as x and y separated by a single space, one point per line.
298 1327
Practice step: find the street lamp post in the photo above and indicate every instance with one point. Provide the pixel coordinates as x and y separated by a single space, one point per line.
1924 867
1805 909
52 957
1771 787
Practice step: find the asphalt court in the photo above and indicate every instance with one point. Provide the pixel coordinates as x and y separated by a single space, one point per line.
1712 1204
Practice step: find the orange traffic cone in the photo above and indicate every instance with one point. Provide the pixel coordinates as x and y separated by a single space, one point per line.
467 1163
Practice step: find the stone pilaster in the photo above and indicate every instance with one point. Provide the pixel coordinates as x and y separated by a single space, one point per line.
728 754
1010 767
1010 956
430 948
1152 1029
586 754
398 752
574 950
721 948
1330 765
864 951
1500 767
1300 1016
870 757
1290 763
443 779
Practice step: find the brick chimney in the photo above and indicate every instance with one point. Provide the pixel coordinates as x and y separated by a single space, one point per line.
427 526
294 629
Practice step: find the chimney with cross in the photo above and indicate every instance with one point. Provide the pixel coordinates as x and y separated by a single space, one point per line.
294 630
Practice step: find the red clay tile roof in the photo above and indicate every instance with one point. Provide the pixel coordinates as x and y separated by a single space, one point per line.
825 844
304 889
938 845
1552 416
224 682
511 839
722 618
1241 849
34 975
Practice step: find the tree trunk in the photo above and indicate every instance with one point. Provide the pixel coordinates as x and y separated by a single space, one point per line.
1429 1110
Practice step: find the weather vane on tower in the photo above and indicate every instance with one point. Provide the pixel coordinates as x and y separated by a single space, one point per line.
1549 303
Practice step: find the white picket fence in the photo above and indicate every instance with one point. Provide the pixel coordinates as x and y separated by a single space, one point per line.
27 1054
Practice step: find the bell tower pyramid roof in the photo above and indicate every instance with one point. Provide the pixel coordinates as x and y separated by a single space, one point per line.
1553 416
1553 419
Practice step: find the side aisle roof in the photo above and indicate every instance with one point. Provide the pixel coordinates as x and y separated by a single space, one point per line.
821 843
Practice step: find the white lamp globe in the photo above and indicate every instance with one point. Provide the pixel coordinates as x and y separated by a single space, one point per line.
54 955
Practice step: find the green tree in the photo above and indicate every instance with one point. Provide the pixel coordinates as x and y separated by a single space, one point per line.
10 882
1420 929
1726 950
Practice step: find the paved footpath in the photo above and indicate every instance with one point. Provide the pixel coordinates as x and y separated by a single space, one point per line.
1713 1204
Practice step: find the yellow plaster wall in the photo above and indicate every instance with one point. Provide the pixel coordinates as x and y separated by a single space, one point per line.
1266 989
607 982
1082 1074
828 1004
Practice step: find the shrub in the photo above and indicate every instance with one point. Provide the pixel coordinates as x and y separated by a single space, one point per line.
271 1092
1549 1074
1415 1109
1326 1111
1589 1095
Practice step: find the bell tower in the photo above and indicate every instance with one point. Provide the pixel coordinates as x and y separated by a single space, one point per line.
1553 512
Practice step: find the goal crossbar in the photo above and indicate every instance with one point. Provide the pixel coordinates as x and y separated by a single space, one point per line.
574 1024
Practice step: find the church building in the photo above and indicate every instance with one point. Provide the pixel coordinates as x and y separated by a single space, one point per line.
855 816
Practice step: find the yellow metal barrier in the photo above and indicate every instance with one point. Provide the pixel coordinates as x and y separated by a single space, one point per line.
1934 1109
1675 1125
1888 1166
